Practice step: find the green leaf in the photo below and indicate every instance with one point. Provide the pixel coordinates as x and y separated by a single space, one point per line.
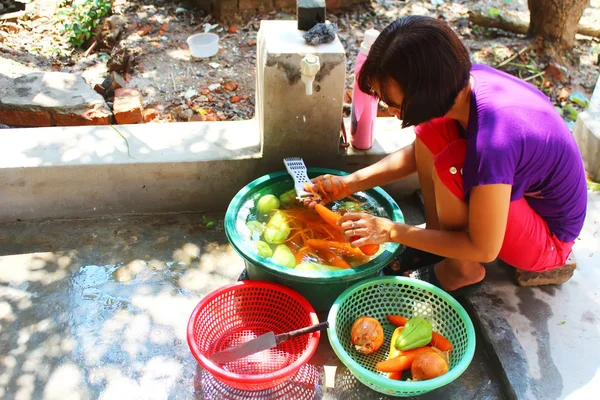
493 12
593 186
562 322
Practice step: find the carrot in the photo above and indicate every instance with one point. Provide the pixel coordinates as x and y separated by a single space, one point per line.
367 249
329 216
403 361
337 247
303 252
332 219
440 342
397 320
333 259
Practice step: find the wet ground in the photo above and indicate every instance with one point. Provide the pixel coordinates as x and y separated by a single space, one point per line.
98 309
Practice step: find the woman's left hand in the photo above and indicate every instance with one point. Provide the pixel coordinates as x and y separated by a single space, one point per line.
361 228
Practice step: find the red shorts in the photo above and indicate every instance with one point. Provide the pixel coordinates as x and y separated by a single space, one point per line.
528 243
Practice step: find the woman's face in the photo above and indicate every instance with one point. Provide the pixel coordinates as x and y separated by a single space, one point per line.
394 96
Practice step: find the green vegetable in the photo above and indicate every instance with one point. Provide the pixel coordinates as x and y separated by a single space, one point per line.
277 230
288 198
263 249
275 236
267 203
284 256
316 267
255 226
416 333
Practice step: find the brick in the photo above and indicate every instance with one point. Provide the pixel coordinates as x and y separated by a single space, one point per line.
285 4
90 117
25 118
334 4
150 114
556 276
255 5
128 107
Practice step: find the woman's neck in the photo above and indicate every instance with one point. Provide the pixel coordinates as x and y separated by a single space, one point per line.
462 106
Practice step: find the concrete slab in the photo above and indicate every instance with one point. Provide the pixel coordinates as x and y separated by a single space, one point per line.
587 134
98 309
86 171
131 144
546 339
52 91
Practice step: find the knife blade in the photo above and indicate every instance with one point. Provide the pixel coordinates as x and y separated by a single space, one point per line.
261 343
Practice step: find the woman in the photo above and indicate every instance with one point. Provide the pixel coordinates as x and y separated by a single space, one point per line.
500 172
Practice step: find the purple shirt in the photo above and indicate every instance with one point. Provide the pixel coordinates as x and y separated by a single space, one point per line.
516 137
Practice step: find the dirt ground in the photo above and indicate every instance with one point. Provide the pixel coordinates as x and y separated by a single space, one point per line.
158 62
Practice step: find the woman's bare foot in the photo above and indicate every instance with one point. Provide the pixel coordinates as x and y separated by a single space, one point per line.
455 274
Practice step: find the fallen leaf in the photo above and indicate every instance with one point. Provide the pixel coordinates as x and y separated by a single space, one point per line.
564 94
144 31
230 86
562 322
232 29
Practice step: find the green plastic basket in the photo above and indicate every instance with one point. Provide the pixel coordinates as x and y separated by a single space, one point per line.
380 297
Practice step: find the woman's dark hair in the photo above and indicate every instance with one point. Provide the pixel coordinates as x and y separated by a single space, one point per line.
428 62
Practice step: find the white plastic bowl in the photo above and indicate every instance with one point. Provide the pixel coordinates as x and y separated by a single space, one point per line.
203 45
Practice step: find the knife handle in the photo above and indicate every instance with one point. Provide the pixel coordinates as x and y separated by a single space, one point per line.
309 329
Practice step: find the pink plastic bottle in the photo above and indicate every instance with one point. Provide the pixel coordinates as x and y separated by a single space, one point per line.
364 106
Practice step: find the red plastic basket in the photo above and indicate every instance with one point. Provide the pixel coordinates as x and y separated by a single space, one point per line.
242 311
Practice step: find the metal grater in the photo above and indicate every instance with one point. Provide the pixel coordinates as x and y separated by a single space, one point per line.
296 168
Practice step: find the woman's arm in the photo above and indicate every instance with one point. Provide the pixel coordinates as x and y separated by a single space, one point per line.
488 213
395 166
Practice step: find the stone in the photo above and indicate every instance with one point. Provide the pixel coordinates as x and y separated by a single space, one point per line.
556 276
183 112
31 100
235 99
113 82
128 108
587 135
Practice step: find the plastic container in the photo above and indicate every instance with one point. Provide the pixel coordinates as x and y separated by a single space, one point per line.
203 45
380 297
364 106
319 288
237 313
594 106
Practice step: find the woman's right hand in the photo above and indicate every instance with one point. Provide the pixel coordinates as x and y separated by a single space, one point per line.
330 188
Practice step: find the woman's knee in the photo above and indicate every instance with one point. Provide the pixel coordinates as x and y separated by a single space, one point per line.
453 212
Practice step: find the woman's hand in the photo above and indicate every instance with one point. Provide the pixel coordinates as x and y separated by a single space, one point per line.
361 229
330 188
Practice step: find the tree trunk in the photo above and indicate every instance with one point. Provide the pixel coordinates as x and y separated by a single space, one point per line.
556 21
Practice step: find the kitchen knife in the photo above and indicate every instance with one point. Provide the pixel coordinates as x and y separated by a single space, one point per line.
263 342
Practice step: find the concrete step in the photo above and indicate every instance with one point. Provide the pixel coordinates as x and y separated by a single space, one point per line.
541 337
